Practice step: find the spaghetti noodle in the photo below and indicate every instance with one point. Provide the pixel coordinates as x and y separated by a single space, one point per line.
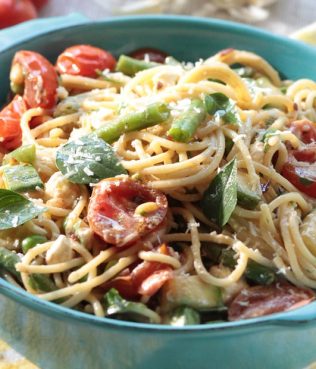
162 258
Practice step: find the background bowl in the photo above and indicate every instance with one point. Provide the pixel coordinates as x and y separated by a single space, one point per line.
57 338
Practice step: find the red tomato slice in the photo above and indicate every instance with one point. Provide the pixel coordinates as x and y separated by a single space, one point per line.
10 130
149 276
305 130
257 301
84 60
300 169
111 211
16 11
39 79
153 55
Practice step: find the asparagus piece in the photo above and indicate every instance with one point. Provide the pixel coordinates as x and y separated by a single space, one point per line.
184 127
131 66
153 114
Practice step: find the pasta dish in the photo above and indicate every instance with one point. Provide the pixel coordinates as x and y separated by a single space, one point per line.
155 190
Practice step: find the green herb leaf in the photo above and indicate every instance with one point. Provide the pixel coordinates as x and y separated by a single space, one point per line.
16 209
220 199
116 305
88 160
215 102
220 105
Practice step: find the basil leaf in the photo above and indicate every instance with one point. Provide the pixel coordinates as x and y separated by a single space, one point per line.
215 102
220 199
88 160
116 305
220 105
16 209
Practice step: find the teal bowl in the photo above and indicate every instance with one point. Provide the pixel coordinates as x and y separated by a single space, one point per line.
54 337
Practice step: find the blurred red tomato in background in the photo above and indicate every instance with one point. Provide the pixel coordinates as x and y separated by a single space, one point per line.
16 11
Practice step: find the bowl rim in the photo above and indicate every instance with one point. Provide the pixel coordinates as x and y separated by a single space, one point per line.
301 315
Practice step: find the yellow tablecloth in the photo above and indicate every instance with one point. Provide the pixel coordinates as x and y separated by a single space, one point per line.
10 359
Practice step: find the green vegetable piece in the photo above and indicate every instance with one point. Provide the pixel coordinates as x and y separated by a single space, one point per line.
185 315
131 66
219 104
115 304
31 241
21 178
153 114
216 101
184 127
190 291
255 272
220 199
41 282
229 143
23 154
259 274
8 259
16 209
245 196
88 160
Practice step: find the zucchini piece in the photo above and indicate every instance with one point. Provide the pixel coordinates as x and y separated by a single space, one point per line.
192 292
184 315
245 196
23 154
21 178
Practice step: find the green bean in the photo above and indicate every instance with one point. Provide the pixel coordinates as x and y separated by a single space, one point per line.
131 66
41 282
184 127
32 241
153 114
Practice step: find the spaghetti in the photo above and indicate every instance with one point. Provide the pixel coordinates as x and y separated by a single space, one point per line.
135 256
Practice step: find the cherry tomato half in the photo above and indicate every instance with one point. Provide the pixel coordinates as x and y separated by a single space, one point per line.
263 300
10 130
34 75
305 130
84 60
111 211
145 279
16 11
300 169
153 55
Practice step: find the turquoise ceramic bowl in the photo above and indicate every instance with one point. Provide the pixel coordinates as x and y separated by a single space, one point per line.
57 338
